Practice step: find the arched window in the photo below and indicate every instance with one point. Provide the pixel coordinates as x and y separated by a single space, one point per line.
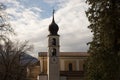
70 67
54 52
53 41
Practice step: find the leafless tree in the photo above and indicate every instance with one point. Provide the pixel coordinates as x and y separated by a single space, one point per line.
13 66
5 28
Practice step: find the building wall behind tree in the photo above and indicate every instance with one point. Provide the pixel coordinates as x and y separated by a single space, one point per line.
77 63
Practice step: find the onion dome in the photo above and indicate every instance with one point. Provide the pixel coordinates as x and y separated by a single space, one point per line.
53 27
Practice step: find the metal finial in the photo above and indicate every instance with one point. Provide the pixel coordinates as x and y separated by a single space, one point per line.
53 11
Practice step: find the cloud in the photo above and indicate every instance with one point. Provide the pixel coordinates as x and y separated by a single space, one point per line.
50 1
54 1
73 26
25 21
1 1
70 16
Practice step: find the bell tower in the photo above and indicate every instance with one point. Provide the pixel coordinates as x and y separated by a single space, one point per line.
53 52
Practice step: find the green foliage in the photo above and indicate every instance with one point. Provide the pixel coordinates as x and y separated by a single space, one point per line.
104 60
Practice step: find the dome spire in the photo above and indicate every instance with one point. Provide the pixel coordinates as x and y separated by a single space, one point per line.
53 27
53 15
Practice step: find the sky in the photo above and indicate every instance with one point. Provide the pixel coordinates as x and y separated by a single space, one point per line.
31 18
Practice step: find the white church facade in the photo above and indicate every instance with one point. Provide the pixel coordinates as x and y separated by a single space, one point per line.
56 65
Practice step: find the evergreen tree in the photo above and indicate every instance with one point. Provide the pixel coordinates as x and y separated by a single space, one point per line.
104 60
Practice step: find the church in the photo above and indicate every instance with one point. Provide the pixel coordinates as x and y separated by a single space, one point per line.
56 65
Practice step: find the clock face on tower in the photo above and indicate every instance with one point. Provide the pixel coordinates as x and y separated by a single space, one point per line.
53 60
